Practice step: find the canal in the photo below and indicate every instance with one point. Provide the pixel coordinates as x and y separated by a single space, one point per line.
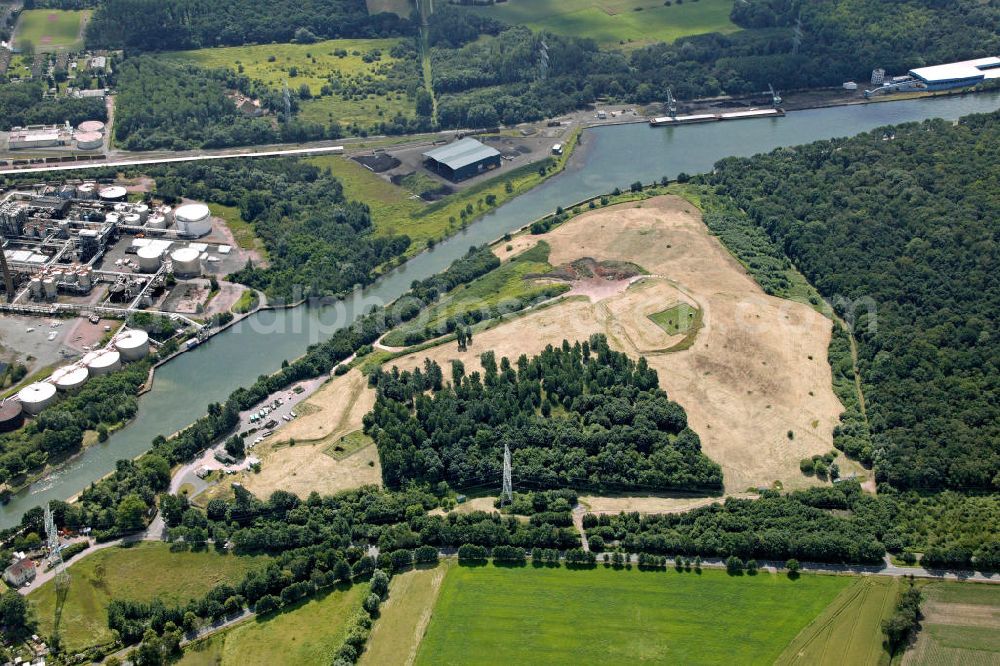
608 156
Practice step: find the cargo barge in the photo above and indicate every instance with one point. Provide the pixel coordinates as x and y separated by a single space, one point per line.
664 121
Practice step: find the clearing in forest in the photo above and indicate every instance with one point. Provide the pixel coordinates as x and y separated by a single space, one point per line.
303 635
562 616
51 29
140 573
354 71
616 22
755 370
402 8
961 625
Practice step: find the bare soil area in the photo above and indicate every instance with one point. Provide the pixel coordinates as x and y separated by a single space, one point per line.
650 504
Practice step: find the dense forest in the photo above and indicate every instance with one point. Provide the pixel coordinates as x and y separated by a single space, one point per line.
580 415
500 79
318 242
22 104
897 228
169 25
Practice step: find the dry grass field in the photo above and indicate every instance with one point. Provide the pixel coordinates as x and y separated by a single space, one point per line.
754 372
757 368
334 411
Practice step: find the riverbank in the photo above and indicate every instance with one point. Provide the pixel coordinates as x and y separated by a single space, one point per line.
609 157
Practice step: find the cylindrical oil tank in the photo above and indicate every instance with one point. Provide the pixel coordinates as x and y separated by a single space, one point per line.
132 219
36 397
73 378
49 287
142 210
85 279
11 415
113 193
106 361
193 220
112 218
186 261
167 212
86 191
89 140
36 287
133 345
67 192
122 208
149 259
156 221
91 126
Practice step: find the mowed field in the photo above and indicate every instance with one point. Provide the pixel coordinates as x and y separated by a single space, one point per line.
558 616
849 630
630 22
50 29
305 635
399 7
140 573
313 65
961 626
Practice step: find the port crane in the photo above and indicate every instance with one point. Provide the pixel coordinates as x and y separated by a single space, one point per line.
671 103
775 98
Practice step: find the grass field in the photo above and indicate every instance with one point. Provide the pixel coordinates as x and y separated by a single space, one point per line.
559 616
632 22
848 631
961 626
50 29
142 572
242 231
314 65
675 320
307 634
505 283
348 445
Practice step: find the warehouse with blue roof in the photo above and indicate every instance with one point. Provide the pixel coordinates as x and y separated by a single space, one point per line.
957 74
462 159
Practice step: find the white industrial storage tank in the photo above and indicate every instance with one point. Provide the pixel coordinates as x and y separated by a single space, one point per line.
89 140
36 397
142 210
156 221
113 193
150 259
193 220
86 190
133 345
72 378
105 362
186 261
91 126
132 219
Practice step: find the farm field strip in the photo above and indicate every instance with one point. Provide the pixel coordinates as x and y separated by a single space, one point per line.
562 616
961 626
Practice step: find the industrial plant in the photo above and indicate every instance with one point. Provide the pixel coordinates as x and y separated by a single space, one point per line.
63 243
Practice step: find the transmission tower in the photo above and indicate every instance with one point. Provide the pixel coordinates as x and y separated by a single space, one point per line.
507 494
797 34
288 102
543 60
55 553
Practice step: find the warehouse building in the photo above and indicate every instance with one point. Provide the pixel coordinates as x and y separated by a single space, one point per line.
462 159
39 136
958 74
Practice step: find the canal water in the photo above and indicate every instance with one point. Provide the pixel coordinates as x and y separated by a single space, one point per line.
608 156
